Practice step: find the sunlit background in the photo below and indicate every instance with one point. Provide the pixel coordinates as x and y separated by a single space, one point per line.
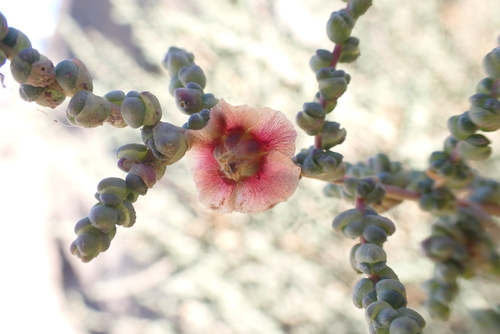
182 268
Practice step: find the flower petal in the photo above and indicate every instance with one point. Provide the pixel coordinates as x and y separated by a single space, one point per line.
223 118
275 183
215 191
275 130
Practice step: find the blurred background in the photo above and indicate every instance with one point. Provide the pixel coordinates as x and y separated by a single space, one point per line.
184 269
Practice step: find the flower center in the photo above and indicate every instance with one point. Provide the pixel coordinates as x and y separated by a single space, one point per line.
238 156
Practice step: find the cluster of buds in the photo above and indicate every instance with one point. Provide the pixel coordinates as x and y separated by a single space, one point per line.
484 190
39 80
12 41
187 81
435 198
341 23
134 109
474 147
364 188
45 84
378 168
116 196
320 164
381 294
483 114
95 232
323 58
137 109
49 86
138 159
166 141
312 120
332 83
461 247
318 161
459 243
454 173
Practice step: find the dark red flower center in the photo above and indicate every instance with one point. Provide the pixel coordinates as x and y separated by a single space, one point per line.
239 155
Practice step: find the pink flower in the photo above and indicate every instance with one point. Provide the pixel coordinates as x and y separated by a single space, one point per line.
241 160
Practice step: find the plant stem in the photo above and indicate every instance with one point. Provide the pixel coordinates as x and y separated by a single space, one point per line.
402 194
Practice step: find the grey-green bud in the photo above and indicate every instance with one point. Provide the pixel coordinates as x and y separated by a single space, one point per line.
114 186
140 109
491 63
485 86
175 59
73 76
189 100
321 164
87 110
358 7
331 88
461 126
136 184
339 26
475 147
50 96
383 222
374 309
443 248
192 73
408 312
391 291
103 217
115 97
381 163
311 119
485 112
31 68
322 58
374 234
199 120
383 320
369 190
345 218
209 100
170 141
146 173
133 152
440 201
354 230
350 50
370 258
87 245
363 293
14 42
332 135
404 325
126 214
90 241
109 199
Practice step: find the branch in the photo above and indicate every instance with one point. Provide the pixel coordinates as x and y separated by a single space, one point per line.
402 194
